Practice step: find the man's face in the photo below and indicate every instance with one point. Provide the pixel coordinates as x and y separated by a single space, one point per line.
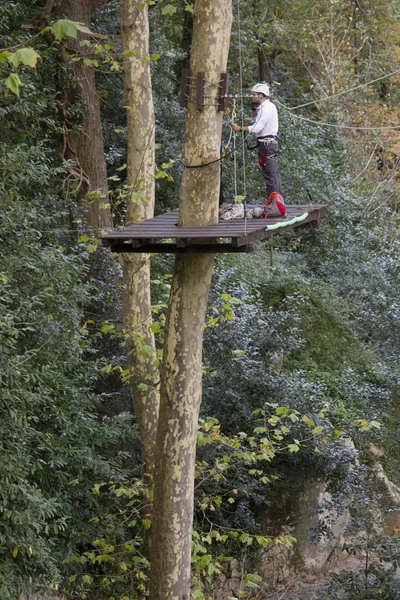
255 97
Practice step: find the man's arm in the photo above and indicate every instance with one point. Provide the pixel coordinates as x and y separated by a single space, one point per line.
261 117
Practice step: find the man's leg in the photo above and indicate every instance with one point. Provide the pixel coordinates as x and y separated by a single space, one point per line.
270 170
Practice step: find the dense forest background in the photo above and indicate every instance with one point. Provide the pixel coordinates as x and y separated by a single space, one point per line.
302 337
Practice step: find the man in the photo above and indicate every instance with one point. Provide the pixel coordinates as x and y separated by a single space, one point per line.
265 127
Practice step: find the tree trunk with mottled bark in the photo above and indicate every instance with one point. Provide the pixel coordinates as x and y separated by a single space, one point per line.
86 145
140 206
181 384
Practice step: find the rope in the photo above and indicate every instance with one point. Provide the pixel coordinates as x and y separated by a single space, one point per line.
212 162
324 124
345 91
241 111
226 153
234 151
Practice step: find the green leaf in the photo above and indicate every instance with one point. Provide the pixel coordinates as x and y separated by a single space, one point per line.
293 447
4 55
146 523
83 238
24 56
318 429
13 83
147 351
308 421
155 327
168 10
245 538
107 328
263 541
65 28
259 430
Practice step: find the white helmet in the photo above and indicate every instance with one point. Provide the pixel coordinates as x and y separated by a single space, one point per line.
261 88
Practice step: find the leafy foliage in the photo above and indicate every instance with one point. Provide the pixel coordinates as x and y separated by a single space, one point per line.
52 441
310 341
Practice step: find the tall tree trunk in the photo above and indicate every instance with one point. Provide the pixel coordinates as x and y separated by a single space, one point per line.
140 206
182 361
86 146
263 67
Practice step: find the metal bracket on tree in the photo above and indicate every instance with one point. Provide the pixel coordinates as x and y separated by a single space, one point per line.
199 84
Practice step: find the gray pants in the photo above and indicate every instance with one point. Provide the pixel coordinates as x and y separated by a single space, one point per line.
268 162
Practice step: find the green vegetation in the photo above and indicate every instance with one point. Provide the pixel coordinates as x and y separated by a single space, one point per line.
300 357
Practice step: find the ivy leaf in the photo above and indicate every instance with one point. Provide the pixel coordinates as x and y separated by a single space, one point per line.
24 56
168 10
155 327
238 353
13 82
66 28
318 429
4 55
146 523
309 422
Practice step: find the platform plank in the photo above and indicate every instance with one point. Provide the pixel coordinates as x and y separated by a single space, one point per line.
162 234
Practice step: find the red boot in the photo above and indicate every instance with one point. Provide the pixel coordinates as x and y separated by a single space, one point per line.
275 206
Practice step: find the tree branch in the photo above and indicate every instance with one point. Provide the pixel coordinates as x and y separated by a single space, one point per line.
49 7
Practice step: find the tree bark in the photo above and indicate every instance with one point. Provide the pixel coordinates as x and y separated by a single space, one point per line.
263 67
140 206
182 360
86 145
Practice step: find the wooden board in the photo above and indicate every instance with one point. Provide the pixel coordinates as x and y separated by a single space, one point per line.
162 233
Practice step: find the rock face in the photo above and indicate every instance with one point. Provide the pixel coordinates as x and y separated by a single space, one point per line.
391 492
307 506
313 511
308 559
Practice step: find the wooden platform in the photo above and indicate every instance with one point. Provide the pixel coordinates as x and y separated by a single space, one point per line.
162 233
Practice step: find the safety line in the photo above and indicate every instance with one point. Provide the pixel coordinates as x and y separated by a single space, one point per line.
242 111
324 124
357 87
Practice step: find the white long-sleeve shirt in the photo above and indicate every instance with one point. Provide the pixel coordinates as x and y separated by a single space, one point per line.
266 121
